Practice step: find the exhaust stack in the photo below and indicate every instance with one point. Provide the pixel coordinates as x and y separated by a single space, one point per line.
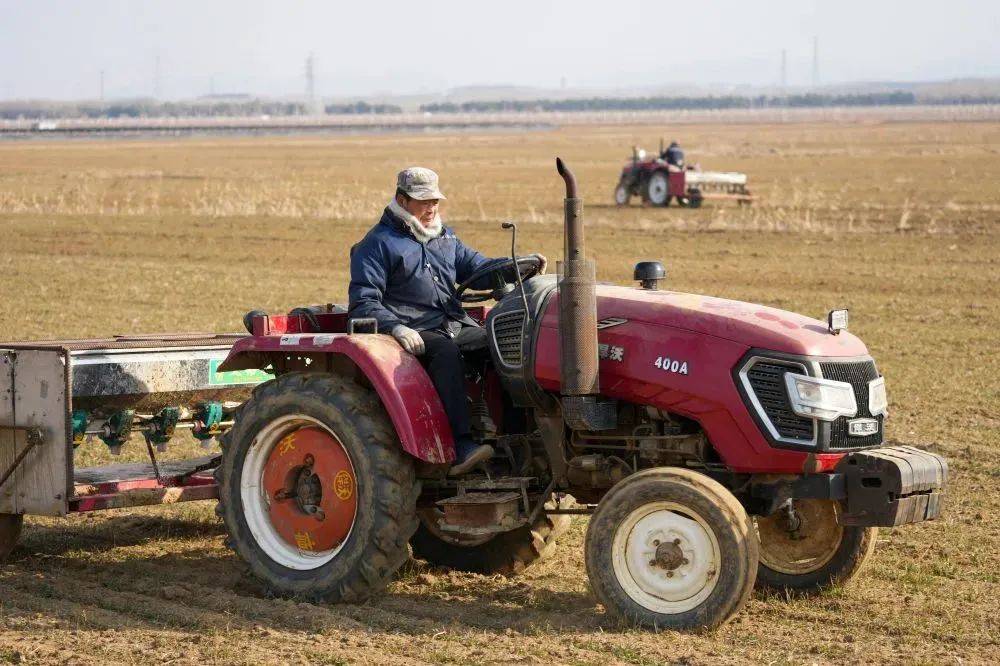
578 323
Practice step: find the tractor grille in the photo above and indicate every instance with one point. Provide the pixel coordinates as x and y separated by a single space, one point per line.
507 334
767 380
857 374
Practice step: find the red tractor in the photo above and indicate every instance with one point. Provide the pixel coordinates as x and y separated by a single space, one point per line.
714 444
656 181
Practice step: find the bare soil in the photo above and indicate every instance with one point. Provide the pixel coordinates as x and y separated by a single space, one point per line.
897 221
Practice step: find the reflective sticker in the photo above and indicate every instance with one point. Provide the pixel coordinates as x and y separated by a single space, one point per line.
343 485
290 339
287 444
321 340
304 541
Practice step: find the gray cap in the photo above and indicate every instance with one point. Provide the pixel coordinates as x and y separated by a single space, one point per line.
419 183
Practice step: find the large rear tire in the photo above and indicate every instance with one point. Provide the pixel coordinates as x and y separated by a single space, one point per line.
658 189
810 552
669 548
508 553
10 532
314 489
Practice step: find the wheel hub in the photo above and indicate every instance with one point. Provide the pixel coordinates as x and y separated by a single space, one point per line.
801 537
310 490
669 556
669 561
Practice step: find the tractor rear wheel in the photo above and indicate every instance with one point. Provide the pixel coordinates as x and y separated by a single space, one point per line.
808 551
622 195
658 189
10 532
695 198
669 548
508 553
314 488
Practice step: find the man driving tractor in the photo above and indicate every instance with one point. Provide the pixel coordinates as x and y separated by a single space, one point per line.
403 275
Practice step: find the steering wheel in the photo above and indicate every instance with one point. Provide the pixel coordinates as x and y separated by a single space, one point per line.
528 267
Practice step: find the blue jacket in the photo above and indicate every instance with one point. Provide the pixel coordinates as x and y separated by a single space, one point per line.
398 280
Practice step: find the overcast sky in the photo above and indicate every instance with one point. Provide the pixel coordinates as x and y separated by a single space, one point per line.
57 50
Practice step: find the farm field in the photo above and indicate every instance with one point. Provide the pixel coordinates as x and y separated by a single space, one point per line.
900 222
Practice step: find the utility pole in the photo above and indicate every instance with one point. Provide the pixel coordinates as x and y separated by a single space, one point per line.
815 62
157 86
784 71
311 82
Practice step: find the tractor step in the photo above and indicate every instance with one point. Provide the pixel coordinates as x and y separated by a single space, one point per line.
481 514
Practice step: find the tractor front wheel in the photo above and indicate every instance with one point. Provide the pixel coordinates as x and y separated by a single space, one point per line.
622 195
804 549
507 553
314 489
669 548
10 532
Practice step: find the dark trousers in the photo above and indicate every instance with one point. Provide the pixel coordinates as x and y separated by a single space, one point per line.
443 360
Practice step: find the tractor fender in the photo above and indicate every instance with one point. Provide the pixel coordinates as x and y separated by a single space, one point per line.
399 380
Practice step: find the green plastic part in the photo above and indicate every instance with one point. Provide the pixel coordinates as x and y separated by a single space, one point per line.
161 427
207 419
118 428
80 420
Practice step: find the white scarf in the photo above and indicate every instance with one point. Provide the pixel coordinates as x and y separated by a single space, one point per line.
421 233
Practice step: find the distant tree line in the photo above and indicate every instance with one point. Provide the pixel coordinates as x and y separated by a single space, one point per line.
238 106
963 100
675 103
246 106
362 107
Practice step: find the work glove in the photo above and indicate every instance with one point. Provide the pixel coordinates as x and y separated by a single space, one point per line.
409 339
545 263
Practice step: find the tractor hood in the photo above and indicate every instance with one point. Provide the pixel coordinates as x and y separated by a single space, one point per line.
756 326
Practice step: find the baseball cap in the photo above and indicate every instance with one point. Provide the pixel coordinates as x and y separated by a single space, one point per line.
419 183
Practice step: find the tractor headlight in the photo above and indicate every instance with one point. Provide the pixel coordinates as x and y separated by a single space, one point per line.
878 401
822 399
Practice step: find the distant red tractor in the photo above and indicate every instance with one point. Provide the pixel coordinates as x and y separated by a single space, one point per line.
657 182
714 444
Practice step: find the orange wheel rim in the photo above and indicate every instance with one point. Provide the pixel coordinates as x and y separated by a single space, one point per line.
311 490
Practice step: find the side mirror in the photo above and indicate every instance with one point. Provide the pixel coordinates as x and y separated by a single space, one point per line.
649 274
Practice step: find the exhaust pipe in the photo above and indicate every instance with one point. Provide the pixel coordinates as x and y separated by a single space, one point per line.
578 323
